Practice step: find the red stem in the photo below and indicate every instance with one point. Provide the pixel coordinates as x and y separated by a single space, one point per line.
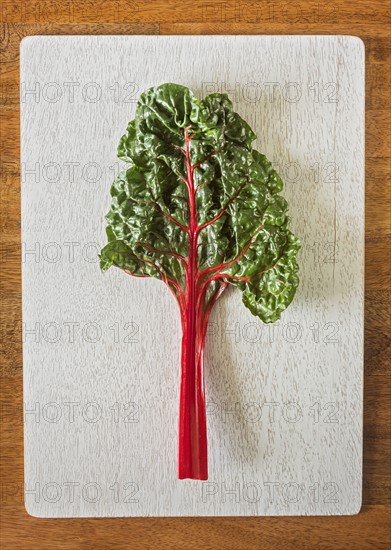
192 445
192 448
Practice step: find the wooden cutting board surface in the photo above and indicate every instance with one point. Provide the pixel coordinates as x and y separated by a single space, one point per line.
101 352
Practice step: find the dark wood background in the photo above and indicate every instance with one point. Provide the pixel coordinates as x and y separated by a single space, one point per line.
369 20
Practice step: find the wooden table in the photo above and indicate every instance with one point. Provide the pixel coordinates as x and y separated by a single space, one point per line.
370 21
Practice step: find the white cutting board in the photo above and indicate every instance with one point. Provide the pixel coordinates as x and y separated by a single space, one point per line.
102 351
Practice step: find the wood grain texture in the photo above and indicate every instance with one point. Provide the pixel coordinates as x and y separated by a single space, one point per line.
367 530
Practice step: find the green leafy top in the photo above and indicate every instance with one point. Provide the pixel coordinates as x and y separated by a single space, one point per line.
195 187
